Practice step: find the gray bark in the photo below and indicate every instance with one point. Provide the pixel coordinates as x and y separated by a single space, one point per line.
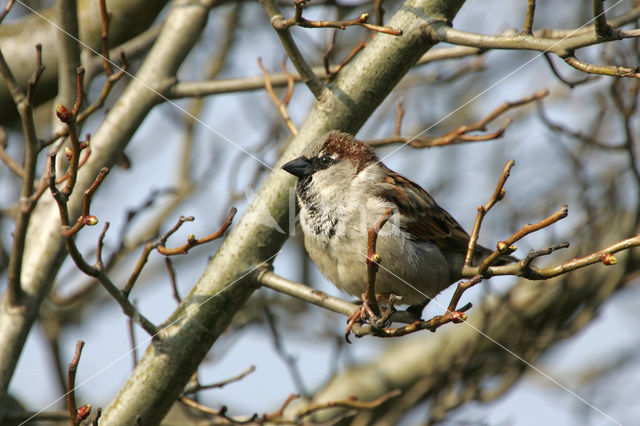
229 280
17 41
45 251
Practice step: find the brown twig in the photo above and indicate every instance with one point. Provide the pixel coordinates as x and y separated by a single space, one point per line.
498 195
528 19
559 76
222 412
369 309
304 69
330 71
85 217
76 256
87 153
399 117
327 55
288 359
523 269
461 134
602 29
198 387
94 422
159 245
610 70
32 147
6 158
71 383
281 105
455 316
132 340
377 6
278 414
297 19
582 137
172 279
100 246
348 403
106 89
373 258
193 242
506 247
104 36
6 10
69 118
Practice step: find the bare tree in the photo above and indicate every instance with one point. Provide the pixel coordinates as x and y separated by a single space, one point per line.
129 71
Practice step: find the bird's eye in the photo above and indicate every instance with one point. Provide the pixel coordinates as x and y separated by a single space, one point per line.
326 159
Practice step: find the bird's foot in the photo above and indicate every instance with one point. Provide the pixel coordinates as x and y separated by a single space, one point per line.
371 313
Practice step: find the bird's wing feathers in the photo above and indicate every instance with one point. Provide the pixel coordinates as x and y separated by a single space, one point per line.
421 215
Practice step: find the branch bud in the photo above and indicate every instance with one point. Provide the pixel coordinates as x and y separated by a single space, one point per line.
505 248
374 258
83 412
63 114
608 259
90 220
192 239
68 152
457 317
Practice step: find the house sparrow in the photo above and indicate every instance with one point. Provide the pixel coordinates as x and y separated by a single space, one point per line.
342 190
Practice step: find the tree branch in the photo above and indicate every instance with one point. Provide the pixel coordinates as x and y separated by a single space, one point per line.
564 48
304 70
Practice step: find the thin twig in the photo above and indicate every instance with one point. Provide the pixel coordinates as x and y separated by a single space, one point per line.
399 117
297 19
559 76
288 359
159 245
278 414
610 70
521 233
528 19
348 403
132 340
32 147
193 242
281 105
306 72
71 382
498 195
104 36
85 217
76 256
6 10
461 134
172 279
6 158
198 387
602 28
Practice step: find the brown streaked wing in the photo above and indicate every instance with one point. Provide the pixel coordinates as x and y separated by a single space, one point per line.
432 222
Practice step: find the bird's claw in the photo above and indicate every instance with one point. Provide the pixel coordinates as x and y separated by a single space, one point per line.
368 313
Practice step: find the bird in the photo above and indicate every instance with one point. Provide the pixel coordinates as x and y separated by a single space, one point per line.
342 190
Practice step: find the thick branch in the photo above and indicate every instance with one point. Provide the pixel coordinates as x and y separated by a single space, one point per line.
45 249
564 48
130 17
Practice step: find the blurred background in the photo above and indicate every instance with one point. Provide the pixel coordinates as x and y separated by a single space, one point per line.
576 146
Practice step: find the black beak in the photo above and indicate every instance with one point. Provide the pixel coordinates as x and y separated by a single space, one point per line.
299 167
